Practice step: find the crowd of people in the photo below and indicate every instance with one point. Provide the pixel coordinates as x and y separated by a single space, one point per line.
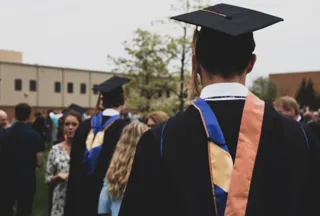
23 141
229 153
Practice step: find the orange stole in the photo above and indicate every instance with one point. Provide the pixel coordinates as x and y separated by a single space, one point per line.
236 181
248 143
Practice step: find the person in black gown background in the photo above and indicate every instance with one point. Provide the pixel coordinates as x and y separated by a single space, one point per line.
83 190
61 138
39 125
171 175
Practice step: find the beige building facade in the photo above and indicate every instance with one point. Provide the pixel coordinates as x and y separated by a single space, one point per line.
46 87
43 86
10 56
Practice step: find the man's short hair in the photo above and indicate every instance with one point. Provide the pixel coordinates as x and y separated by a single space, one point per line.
22 112
222 54
288 103
112 100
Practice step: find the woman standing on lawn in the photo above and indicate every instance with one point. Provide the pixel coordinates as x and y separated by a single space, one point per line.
58 163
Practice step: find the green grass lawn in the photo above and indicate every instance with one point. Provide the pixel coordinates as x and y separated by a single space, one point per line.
40 207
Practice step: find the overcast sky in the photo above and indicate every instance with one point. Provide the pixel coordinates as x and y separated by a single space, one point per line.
80 33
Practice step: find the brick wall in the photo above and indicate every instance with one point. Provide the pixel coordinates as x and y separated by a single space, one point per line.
289 83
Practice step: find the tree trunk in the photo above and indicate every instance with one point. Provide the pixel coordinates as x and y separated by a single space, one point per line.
148 93
183 57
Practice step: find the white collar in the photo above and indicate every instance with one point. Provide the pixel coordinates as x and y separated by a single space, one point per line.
299 118
53 115
224 91
110 112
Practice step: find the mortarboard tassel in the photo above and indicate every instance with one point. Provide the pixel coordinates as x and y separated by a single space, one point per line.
194 85
98 107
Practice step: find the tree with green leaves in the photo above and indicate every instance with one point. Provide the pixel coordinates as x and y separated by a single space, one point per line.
306 95
182 45
311 94
149 58
300 95
265 89
149 55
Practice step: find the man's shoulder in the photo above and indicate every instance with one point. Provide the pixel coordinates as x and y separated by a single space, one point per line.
176 124
292 132
286 123
3 131
31 132
190 116
121 122
290 124
86 125
88 122
23 130
3 135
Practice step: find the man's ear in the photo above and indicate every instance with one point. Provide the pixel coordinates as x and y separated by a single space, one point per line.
252 62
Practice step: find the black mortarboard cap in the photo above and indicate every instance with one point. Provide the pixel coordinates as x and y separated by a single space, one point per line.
114 84
77 108
65 111
229 19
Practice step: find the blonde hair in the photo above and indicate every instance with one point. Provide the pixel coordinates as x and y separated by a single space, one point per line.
158 117
121 163
288 103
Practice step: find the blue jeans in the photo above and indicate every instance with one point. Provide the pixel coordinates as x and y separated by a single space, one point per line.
106 204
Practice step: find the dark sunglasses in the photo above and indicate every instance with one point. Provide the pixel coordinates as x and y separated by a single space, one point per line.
73 124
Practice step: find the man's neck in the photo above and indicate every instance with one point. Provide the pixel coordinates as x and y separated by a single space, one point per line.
116 108
218 79
112 111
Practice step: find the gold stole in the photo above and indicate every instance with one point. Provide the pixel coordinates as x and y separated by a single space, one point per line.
95 141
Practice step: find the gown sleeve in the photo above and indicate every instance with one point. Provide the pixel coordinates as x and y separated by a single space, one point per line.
313 186
76 172
145 192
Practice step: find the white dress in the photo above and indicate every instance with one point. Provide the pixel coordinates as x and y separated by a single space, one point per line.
58 161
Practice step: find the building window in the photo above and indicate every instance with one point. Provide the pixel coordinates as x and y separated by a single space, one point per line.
33 86
83 88
57 87
95 91
70 87
18 84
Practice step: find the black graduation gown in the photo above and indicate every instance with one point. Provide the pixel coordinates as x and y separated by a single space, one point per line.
82 191
285 178
40 126
315 127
